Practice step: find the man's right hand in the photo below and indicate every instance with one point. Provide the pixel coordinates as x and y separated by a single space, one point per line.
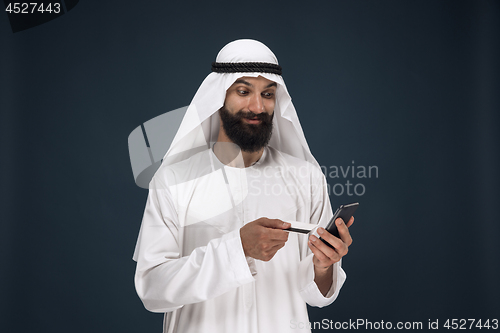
262 238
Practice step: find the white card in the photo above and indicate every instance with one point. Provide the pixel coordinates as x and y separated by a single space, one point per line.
301 227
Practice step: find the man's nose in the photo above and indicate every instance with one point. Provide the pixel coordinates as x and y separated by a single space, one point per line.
255 104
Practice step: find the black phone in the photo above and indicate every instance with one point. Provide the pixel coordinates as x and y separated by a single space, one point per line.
345 212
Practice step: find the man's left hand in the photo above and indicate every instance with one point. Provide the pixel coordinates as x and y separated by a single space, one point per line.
325 256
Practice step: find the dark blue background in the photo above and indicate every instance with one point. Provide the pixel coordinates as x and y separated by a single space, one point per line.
409 86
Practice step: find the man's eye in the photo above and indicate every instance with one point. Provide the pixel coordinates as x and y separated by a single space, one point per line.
242 92
268 95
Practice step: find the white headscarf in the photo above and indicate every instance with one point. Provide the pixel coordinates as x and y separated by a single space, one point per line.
200 125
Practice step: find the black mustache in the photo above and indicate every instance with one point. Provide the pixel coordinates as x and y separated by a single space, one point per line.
250 115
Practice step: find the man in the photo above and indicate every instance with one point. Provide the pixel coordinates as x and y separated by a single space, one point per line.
213 253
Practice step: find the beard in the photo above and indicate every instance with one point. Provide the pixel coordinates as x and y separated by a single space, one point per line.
249 137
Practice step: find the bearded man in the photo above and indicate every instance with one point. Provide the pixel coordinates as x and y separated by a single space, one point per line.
213 251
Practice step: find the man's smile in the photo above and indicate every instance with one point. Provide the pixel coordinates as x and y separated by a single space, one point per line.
253 121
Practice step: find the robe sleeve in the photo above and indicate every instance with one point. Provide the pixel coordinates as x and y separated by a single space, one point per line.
165 281
321 213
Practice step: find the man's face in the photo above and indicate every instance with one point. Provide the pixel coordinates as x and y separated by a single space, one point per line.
247 114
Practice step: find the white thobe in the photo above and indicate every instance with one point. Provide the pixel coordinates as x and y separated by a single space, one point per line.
190 260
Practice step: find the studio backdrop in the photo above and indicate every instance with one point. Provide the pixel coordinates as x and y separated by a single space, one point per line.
398 101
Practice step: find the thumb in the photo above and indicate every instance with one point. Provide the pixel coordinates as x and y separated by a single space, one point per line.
275 224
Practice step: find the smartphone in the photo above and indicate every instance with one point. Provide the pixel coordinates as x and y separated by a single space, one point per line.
345 212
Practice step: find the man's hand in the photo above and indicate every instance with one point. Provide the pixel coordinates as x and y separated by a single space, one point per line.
325 256
262 238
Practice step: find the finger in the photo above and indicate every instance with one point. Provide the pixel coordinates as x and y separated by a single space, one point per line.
275 224
325 259
351 221
276 247
331 239
325 249
271 252
338 244
277 235
344 232
317 252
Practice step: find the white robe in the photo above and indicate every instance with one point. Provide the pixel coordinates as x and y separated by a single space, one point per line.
190 261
